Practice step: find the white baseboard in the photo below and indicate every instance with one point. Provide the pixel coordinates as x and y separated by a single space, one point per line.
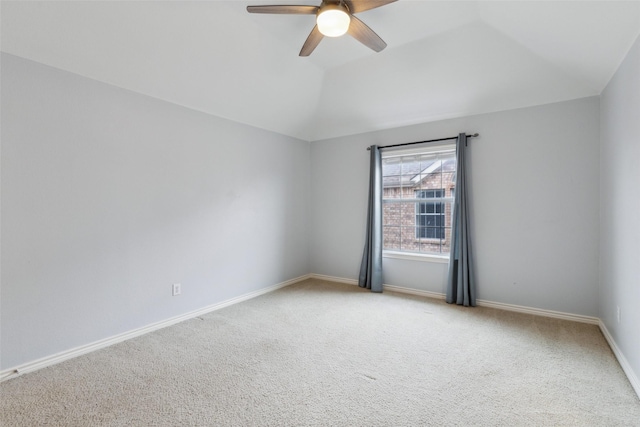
410 291
539 312
481 303
633 378
391 288
97 345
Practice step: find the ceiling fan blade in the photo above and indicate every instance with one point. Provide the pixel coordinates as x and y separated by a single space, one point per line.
365 35
312 41
356 6
284 9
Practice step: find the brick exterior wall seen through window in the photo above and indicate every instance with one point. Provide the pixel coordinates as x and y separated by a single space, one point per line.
400 218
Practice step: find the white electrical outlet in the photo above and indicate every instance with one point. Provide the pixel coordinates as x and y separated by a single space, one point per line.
618 313
176 290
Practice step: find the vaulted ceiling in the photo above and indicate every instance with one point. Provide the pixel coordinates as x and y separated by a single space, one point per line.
444 58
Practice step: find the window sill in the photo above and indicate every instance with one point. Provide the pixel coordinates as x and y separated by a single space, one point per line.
434 241
442 259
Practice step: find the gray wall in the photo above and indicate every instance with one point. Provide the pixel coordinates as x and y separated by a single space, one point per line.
535 184
620 207
109 197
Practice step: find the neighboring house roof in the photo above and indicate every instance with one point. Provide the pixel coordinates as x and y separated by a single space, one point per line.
413 173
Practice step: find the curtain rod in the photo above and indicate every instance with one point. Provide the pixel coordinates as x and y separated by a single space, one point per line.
475 135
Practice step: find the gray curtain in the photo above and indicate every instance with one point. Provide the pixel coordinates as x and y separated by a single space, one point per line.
461 287
371 266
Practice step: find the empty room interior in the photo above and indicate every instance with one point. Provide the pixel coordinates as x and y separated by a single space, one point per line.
192 191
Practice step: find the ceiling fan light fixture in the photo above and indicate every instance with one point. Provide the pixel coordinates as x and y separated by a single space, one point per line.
333 20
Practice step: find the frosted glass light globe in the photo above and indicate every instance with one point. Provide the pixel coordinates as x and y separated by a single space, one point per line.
333 22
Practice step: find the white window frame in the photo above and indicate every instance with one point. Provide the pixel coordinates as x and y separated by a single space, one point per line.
440 148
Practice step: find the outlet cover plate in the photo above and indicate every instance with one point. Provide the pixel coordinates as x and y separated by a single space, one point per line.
176 289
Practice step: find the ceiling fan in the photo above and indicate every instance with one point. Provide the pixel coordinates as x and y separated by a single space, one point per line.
333 19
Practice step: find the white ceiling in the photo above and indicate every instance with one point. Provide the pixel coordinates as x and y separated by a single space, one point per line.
444 58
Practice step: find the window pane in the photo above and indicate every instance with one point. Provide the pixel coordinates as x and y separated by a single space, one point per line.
422 227
410 170
421 232
391 237
391 213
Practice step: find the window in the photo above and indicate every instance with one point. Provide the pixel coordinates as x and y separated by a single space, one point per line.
430 215
411 223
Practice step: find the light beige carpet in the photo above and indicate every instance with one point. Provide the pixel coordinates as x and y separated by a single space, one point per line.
327 354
